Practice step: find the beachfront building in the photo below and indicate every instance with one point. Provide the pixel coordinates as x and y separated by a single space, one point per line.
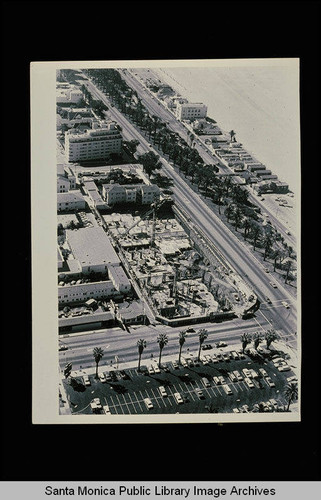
191 111
70 201
94 144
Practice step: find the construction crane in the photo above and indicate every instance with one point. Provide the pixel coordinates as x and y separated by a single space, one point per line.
154 207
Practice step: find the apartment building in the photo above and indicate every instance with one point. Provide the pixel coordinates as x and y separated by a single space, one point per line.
94 144
130 193
191 111
67 93
72 200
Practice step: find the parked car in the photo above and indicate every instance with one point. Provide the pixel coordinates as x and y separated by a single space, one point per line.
217 380
222 379
148 403
102 378
156 369
199 393
249 382
270 382
206 347
227 389
235 355
263 372
162 391
123 374
151 370
190 330
86 380
175 365
178 398
206 382
232 377
226 357
238 375
106 410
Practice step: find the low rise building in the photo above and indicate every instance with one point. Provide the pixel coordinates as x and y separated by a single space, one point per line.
190 111
130 312
78 293
70 201
130 193
68 94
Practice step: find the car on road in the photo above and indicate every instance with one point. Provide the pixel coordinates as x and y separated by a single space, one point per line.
162 391
86 380
102 378
268 300
288 232
149 405
106 410
249 382
190 330
273 284
63 347
221 344
206 347
151 370
269 381
199 393
227 389
266 269
285 304
178 398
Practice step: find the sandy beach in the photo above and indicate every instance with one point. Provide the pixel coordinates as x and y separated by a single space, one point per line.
259 103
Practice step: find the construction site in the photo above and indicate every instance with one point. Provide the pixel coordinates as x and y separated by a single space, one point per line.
182 278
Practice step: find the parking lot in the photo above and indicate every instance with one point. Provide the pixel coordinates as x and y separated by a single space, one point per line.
128 392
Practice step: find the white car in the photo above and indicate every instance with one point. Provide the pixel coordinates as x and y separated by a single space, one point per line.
106 410
148 403
102 378
285 304
162 391
249 382
263 372
86 380
156 369
217 380
151 370
227 389
273 284
270 382
178 398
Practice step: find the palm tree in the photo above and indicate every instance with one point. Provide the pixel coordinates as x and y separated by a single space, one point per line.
141 344
267 245
98 354
232 135
289 266
181 339
162 340
201 336
229 211
238 216
257 338
245 339
291 393
270 336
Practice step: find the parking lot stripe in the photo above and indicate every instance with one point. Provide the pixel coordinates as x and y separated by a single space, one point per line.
137 400
156 398
120 404
113 404
132 402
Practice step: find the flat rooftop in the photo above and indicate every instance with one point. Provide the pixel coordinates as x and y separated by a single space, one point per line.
91 246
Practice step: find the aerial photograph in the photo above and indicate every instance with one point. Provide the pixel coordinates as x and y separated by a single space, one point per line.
178 276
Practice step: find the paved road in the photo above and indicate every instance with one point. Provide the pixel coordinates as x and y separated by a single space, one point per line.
244 262
156 107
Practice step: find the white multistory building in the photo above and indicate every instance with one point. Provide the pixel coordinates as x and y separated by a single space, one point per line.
94 144
191 111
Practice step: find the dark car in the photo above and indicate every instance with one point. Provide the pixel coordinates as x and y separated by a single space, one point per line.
206 347
113 375
190 330
123 375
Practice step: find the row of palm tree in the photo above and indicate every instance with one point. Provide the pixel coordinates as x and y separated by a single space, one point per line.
269 336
